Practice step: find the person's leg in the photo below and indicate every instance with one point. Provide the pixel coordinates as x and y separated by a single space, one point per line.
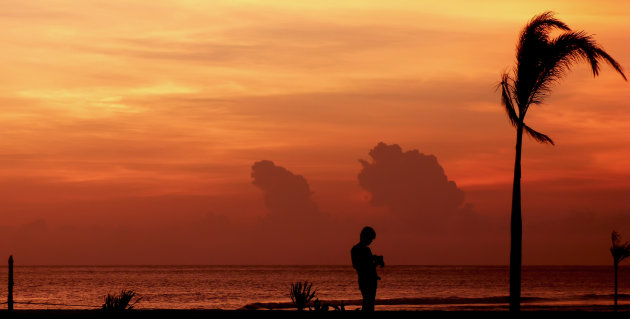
371 299
366 299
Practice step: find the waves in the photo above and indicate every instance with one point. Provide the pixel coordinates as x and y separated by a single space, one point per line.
267 287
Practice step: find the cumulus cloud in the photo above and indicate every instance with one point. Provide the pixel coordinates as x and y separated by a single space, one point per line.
295 230
428 220
409 183
286 195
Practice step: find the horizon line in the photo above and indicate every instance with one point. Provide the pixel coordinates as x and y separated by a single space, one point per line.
305 265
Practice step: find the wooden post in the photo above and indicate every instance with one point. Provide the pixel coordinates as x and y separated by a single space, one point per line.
10 296
616 266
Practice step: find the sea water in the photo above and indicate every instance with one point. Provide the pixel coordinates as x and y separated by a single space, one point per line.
233 287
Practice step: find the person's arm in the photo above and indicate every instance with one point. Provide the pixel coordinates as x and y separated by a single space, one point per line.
363 261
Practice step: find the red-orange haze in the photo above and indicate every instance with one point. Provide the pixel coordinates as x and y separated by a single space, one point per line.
249 132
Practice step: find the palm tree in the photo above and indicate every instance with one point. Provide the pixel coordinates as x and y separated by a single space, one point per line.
619 252
541 61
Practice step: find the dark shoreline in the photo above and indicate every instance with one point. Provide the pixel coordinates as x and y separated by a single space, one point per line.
590 311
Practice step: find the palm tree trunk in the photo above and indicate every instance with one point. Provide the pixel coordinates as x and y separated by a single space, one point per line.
516 228
616 266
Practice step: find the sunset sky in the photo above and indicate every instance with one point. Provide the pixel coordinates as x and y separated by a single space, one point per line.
176 132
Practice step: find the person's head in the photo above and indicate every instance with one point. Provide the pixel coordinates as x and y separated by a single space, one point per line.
367 235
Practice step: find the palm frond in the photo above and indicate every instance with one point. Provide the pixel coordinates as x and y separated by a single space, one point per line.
507 100
618 249
538 29
612 62
542 61
545 22
536 32
540 26
532 46
539 137
561 54
575 46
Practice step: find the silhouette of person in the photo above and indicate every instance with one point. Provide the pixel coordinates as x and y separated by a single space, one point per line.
365 264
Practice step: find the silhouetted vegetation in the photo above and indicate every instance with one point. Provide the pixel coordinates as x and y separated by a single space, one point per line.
301 294
319 306
619 252
325 306
541 61
340 307
121 301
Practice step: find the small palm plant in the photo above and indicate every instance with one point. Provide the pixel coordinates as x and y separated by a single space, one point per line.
619 252
301 294
121 301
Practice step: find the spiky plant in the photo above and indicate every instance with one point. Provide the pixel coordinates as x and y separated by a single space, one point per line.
121 301
301 294
541 61
619 252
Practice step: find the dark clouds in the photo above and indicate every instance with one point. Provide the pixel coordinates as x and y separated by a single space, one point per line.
409 183
286 195
295 230
428 220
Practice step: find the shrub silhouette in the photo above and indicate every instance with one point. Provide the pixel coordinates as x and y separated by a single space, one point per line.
121 301
301 294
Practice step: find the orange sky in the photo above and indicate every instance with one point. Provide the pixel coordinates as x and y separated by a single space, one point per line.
138 120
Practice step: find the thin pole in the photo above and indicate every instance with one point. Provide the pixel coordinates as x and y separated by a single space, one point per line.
616 269
10 296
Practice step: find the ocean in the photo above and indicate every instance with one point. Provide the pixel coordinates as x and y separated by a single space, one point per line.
234 287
